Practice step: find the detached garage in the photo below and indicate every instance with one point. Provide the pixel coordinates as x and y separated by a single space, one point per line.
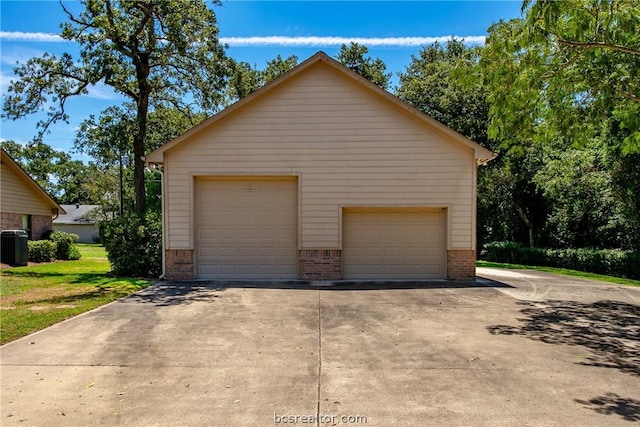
319 175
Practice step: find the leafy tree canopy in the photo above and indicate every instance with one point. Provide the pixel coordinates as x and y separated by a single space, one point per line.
156 53
563 69
354 57
245 78
445 82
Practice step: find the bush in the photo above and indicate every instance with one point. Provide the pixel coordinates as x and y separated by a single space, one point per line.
612 262
134 244
74 253
65 245
41 250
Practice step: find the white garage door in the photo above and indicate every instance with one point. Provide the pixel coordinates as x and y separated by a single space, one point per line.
394 243
246 228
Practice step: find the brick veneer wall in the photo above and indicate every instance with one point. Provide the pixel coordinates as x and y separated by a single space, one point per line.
461 264
179 264
40 224
320 264
10 221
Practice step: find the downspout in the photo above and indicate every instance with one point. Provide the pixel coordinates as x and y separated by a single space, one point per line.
156 167
162 186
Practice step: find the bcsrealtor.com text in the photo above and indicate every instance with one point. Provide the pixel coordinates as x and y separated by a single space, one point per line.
319 419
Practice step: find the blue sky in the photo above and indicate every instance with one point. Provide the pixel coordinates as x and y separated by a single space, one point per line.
256 31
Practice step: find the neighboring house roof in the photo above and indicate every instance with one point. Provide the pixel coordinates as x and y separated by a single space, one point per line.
8 161
76 214
482 154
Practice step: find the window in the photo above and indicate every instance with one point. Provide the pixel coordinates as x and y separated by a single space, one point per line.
26 224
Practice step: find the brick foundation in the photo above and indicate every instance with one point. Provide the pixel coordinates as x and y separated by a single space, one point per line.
320 264
40 224
179 264
461 264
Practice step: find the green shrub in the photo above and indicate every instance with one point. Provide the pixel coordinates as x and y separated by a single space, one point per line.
41 250
612 262
74 253
65 245
134 244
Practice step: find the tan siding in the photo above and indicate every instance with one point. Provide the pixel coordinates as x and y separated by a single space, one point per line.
348 147
18 197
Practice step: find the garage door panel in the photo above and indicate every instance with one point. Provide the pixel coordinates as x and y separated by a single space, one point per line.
394 243
246 228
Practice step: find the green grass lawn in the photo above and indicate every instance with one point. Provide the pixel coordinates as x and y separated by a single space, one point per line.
565 271
34 297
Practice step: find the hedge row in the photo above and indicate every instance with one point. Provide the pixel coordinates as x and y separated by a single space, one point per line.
612 262
59 245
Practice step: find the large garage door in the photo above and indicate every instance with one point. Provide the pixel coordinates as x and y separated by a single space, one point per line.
246 228
394 243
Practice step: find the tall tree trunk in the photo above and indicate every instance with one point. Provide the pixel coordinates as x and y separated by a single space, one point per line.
528 223
142 71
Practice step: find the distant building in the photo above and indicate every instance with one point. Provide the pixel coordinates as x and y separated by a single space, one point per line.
78 220
24 205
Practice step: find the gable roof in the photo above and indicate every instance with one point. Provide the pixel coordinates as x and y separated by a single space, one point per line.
76 214
8 161
482 154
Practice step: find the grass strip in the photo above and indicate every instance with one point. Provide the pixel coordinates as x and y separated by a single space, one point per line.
35 297
563 271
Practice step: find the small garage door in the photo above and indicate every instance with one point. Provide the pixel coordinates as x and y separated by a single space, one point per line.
246 228
394 243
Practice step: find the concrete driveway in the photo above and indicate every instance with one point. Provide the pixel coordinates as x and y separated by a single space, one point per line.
511 349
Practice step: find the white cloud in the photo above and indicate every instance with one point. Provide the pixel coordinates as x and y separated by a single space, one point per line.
257 41
20 36
315 41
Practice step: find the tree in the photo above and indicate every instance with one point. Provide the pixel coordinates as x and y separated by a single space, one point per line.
353 57
446 83
567 67
108 139
577 185
153 52
278 66
562 81
245 78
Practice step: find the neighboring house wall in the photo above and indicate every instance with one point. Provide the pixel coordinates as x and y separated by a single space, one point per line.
78 219
347 146
19 199
86 232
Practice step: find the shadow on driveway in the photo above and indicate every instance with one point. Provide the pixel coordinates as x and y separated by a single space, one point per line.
174 293
612 404
610 329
